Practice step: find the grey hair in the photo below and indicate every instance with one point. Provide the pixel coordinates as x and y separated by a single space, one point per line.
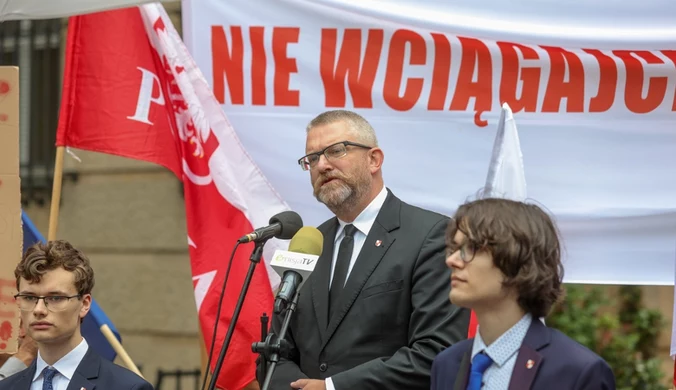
359 126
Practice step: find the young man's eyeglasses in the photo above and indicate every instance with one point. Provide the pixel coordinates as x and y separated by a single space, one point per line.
53 303
467 251
331 152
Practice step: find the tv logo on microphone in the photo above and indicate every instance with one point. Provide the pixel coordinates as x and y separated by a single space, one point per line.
294 260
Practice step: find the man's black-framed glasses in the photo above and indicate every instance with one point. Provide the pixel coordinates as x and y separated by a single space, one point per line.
54 303
467 251
331 152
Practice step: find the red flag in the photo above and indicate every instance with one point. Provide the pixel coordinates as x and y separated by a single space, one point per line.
471 332
132 89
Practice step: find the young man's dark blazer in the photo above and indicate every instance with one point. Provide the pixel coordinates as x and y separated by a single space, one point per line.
547 360
93 373
394 315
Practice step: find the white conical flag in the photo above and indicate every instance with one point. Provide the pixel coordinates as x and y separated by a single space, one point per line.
506 176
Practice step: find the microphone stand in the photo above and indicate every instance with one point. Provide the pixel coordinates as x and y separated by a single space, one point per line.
275 347
262 363
255 258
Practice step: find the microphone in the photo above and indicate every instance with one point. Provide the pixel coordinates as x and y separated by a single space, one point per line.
296 264
283 226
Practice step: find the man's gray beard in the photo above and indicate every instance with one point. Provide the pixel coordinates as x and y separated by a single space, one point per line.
340 199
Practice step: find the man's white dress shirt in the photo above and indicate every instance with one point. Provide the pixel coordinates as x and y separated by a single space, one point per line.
65 368
363 223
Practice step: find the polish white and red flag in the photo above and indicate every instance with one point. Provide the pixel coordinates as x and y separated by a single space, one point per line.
132 89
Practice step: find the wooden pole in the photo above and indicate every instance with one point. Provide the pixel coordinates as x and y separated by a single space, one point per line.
51 236
115 343
56 194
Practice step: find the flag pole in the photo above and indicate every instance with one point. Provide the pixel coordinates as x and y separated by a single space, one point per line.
51 236
115 343
56 194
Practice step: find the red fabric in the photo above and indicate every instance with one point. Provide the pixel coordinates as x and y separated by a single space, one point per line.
108 56
471 332
101 89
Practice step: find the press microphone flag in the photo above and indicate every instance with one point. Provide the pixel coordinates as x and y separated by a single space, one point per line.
283 226
296 264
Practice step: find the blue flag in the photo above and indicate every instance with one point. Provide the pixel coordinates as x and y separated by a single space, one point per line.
91 326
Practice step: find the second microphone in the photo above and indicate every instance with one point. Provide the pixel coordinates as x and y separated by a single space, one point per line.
296 264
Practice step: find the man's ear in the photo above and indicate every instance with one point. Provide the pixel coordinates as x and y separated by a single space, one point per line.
376 158
86 305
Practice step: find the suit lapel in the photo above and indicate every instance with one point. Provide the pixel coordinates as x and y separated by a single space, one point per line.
463 372
526 367
529 360
86 370
79 382
27 376
367 261
320 280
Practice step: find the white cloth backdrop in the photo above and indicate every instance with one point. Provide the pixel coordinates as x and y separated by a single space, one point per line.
607 174
47 9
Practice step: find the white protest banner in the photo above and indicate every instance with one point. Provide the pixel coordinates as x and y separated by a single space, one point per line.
594 98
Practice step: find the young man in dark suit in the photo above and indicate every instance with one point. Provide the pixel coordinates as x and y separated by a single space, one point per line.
55 282
373 313
505 259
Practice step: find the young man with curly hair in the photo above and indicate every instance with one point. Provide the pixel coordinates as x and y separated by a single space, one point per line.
55 281
505 261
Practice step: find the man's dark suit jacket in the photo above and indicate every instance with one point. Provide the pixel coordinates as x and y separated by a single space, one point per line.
547 360
93 373
393 317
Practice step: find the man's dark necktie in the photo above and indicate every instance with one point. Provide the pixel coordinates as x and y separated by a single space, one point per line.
342 265
48 374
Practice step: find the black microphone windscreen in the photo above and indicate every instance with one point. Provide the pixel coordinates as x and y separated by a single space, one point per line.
291 223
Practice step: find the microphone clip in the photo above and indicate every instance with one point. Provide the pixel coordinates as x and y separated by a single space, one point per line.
275 346
272 348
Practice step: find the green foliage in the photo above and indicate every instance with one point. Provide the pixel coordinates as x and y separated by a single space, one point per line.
620 330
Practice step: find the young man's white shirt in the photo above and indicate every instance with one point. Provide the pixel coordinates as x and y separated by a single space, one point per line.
65 368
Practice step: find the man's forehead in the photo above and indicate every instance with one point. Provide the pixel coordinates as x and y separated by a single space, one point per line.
325 135
55 280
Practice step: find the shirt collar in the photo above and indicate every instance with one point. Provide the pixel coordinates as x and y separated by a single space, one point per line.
67 365
506 345
367 217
